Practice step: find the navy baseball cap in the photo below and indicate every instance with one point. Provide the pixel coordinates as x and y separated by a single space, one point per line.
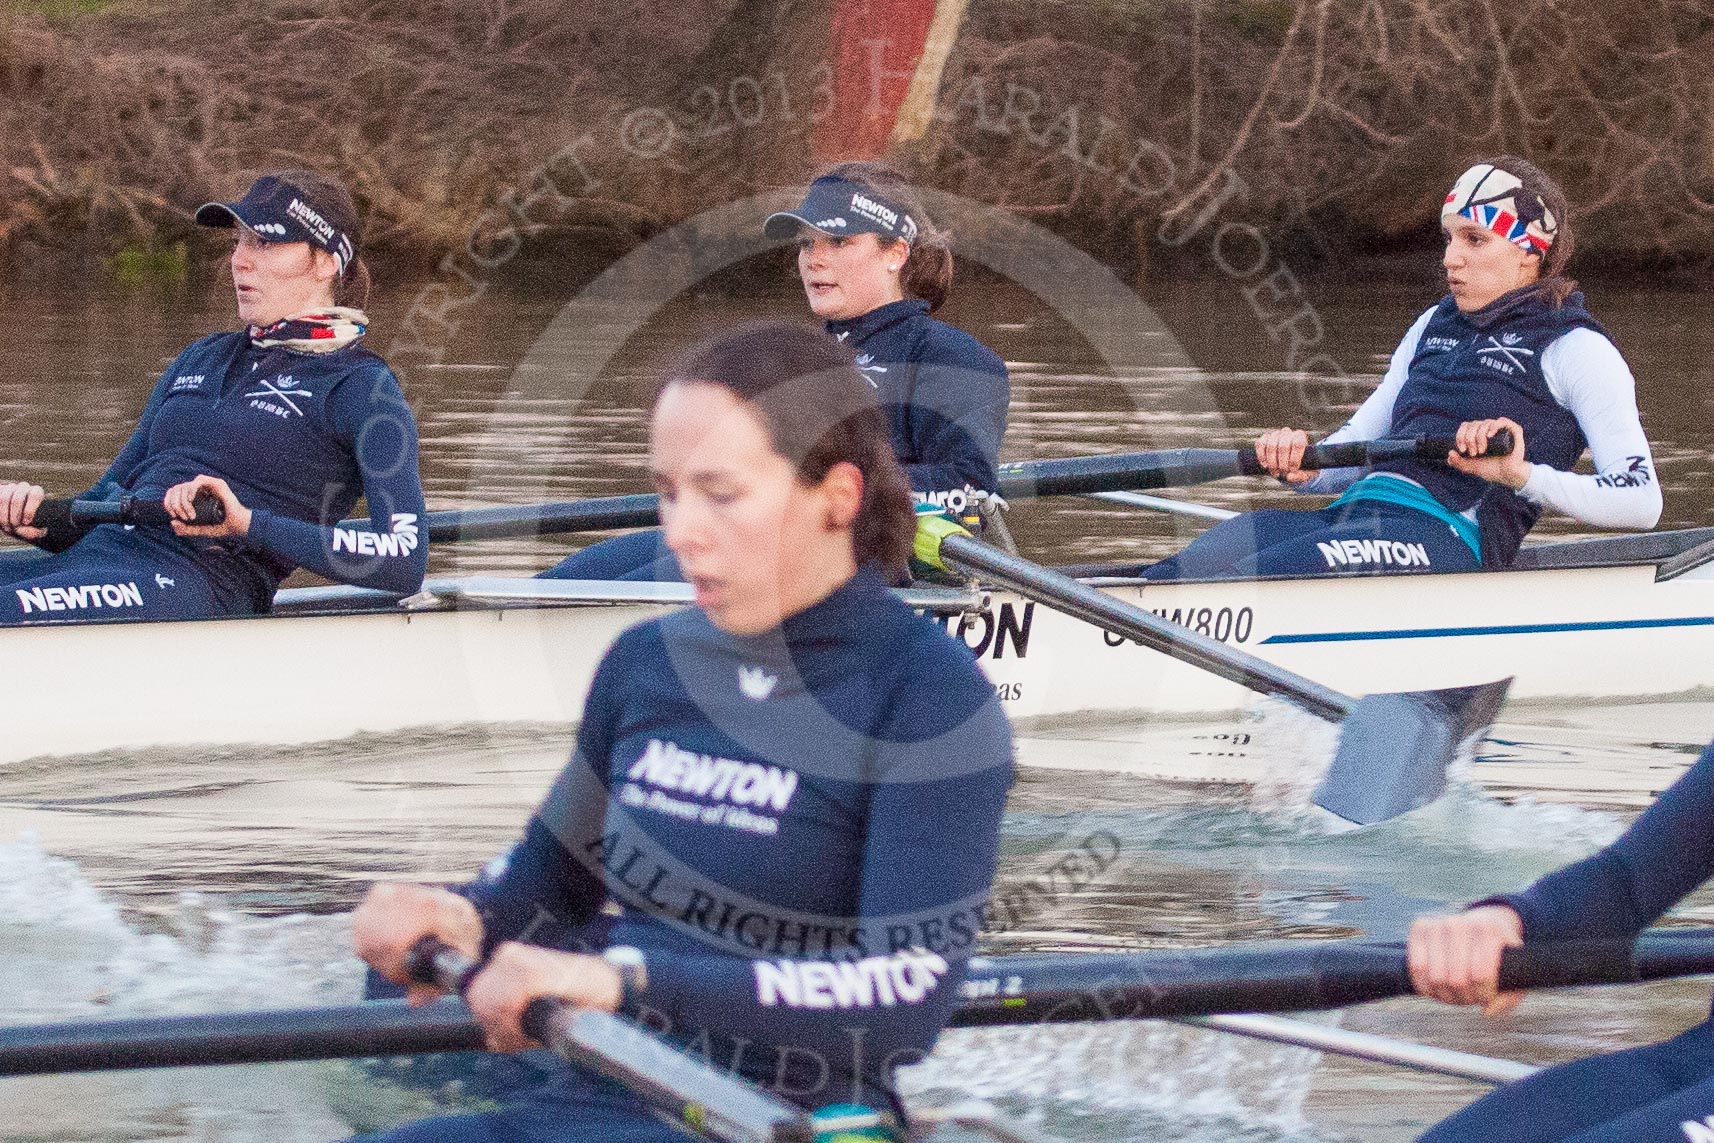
834 206
280 212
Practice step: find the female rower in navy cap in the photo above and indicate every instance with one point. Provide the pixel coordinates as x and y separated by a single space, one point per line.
1510 347
874 268
286 422
795 781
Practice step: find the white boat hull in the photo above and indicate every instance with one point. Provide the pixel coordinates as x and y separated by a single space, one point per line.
1559 634
80 688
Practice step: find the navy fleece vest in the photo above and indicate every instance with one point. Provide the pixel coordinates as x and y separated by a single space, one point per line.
1484 364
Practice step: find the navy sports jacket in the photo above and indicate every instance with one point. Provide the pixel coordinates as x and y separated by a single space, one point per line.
299 437
801 829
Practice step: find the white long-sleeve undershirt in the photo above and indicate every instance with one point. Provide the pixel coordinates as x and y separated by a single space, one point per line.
1587 375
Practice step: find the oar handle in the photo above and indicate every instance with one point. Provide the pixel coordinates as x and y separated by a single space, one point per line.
1356 454
698 1096
1175 468
66 519
1563 964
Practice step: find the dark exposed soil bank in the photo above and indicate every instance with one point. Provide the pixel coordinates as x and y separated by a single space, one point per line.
568 132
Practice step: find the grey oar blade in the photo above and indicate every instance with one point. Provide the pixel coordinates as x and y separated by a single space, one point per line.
1394 749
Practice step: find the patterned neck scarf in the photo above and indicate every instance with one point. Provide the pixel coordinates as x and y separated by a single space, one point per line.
1496 199
319 331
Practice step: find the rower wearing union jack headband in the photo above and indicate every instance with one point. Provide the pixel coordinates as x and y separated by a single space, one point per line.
1510 347
286 422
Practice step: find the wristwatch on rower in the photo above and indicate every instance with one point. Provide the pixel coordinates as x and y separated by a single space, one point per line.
633 974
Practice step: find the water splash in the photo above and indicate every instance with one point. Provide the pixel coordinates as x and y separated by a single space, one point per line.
70 952
1124 1081
66 952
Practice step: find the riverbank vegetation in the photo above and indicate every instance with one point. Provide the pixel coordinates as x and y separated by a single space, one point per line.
574 130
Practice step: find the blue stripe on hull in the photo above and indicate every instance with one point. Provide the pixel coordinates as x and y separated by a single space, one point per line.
1519 629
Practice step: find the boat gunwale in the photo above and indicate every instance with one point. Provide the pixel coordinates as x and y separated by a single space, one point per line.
1632 549
448 594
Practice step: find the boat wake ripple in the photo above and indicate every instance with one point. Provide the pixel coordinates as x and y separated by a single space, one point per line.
1126 1081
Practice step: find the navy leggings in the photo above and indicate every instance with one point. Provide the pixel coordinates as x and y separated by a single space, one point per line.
1365 535
1655 1094
635 556
120 573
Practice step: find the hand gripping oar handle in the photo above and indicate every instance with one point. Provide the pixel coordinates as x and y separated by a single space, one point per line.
1176 468
700 1097
1356 454
66 520
1199 982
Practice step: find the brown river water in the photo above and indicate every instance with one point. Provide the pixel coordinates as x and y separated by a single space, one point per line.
185 881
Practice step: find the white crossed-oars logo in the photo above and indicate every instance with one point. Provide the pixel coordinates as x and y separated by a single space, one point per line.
1512 353
269 389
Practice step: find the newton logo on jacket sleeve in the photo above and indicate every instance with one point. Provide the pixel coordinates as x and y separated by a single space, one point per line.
401 541
903 978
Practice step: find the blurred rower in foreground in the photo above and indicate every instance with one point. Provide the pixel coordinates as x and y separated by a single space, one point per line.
1660 1092
791 791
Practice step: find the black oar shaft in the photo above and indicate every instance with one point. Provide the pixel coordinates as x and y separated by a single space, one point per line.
1121 472
1303 978
694 1093
639 511
998 990
1097 607
1155 985
382 1028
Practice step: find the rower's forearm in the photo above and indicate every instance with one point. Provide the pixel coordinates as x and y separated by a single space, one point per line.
1330 481
867 1015
1627 496
538 885
392 559
1627 886
956 459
